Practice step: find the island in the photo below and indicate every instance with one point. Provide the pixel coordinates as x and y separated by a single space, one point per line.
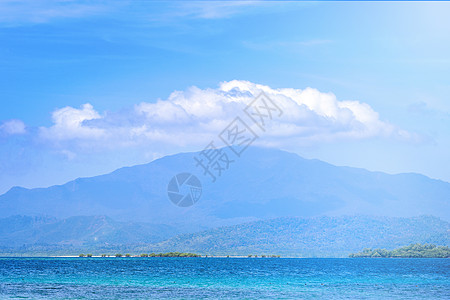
411 251
167 254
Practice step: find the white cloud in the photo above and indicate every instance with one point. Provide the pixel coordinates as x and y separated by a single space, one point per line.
214 9
163 112
69 124
194 116
12 127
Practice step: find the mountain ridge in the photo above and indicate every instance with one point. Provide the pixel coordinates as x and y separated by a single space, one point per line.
320 236
196 152
263 183
313 237
79 230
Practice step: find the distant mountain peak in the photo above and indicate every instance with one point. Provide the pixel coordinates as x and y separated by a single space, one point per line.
262 183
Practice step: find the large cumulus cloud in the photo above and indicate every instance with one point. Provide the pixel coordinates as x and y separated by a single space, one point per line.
194 116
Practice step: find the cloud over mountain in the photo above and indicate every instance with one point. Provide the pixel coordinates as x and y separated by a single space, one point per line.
192 117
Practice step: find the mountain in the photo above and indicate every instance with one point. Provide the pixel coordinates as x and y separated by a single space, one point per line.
261 184
318 236
287 236
93 231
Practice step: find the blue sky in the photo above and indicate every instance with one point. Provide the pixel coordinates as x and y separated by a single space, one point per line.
78 80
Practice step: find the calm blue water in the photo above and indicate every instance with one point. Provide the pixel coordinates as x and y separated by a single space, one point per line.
224 278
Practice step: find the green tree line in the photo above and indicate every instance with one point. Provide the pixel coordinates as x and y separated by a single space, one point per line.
411 251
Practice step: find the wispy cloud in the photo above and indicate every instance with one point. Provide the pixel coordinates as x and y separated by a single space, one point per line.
212 9
23 12
424 109
292 45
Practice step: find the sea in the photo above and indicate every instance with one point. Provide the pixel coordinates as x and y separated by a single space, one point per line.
224 278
